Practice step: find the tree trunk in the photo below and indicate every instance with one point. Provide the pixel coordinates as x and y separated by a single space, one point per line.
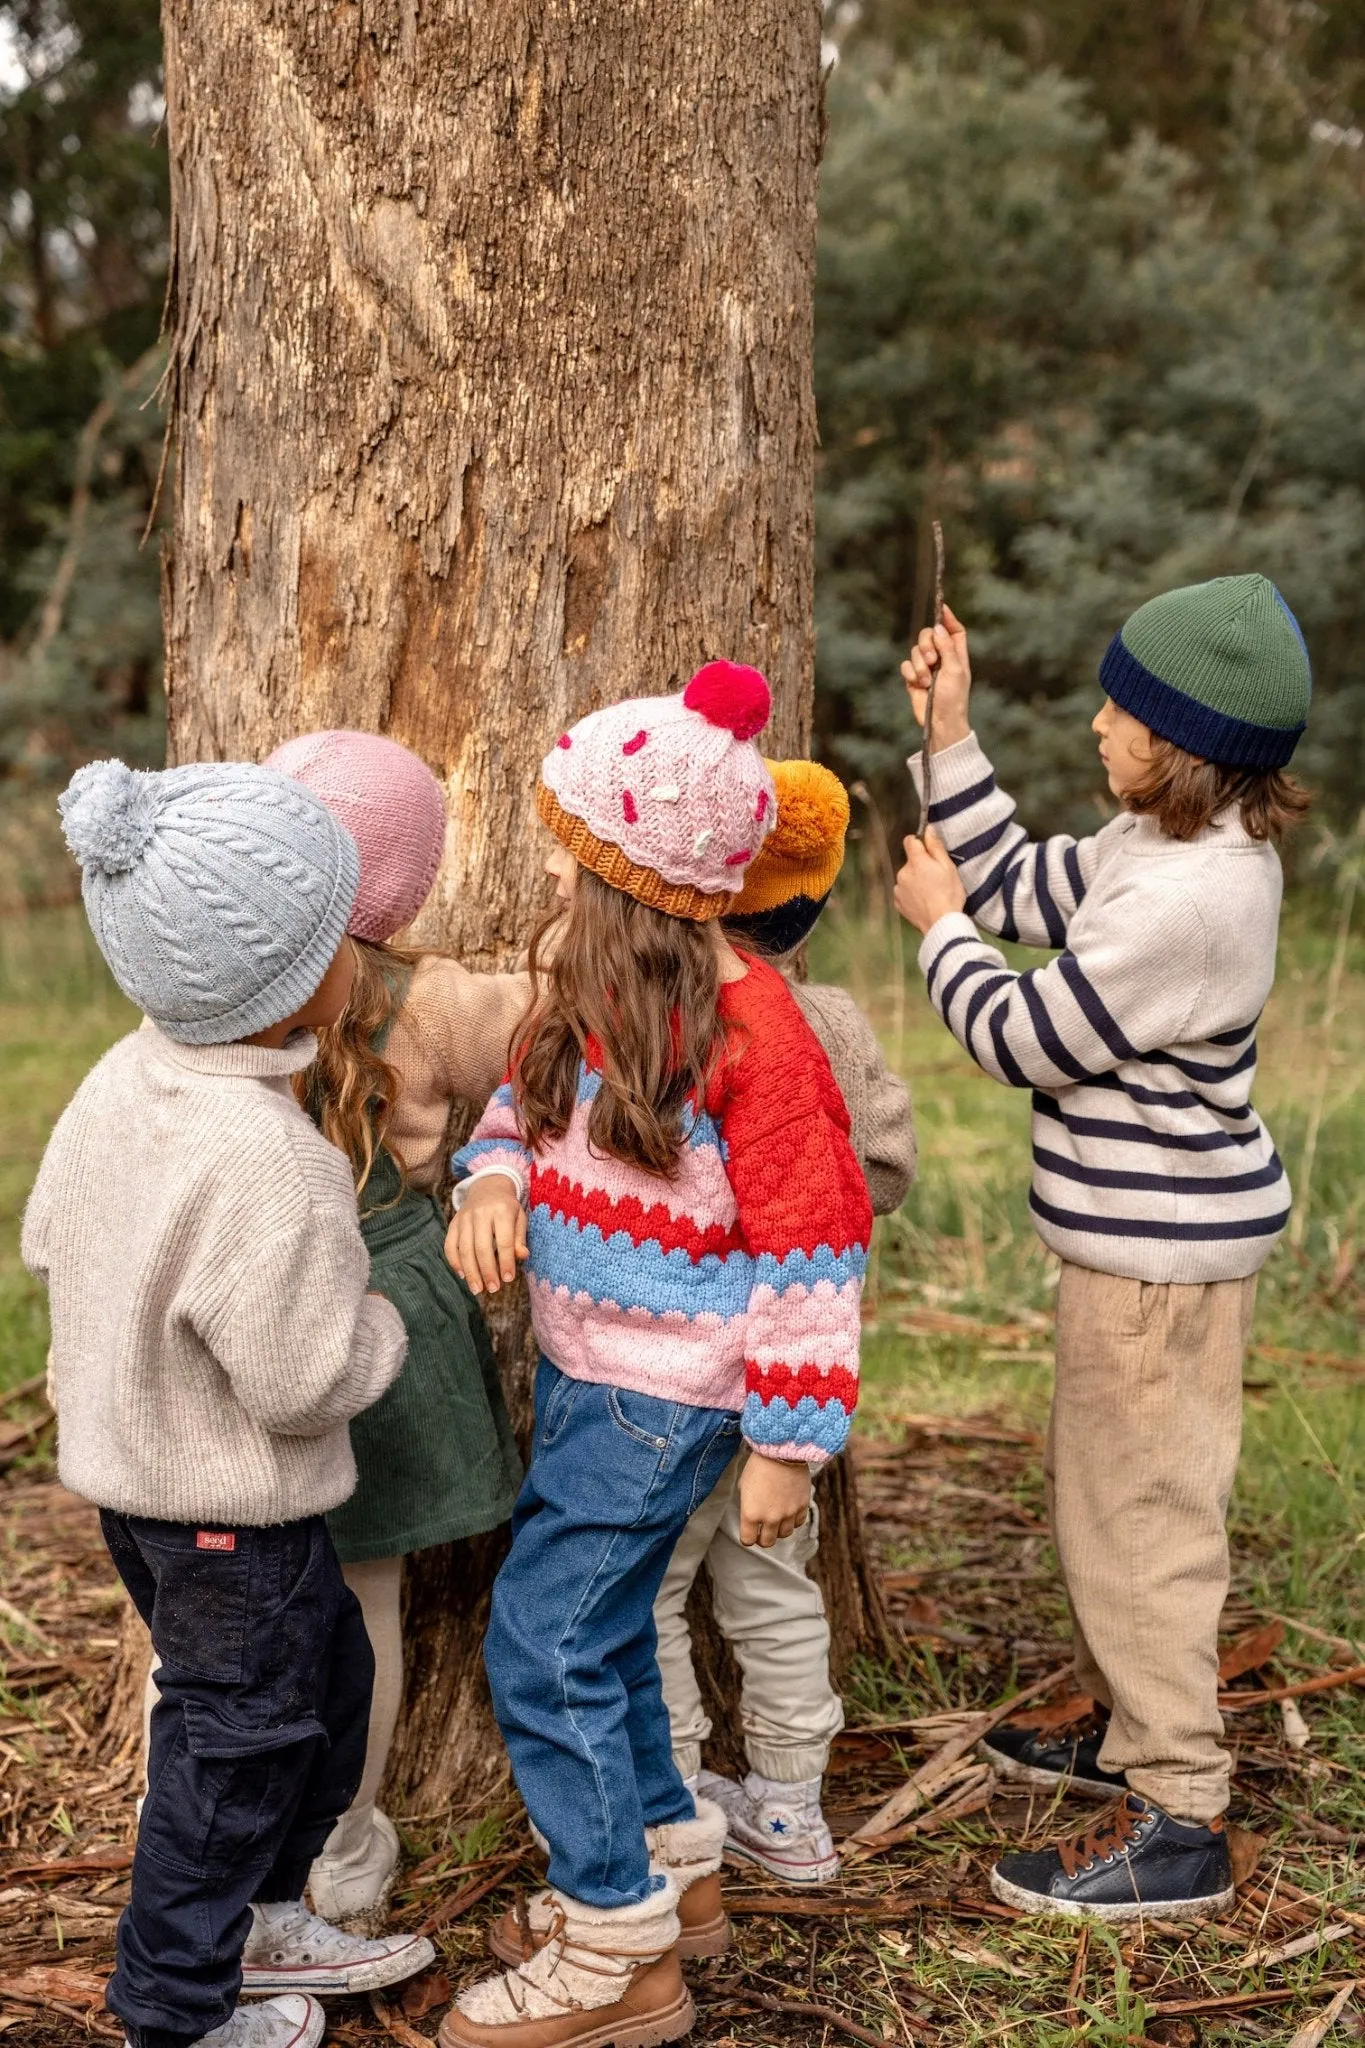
491 382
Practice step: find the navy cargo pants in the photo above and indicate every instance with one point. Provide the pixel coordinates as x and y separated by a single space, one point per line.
257 1745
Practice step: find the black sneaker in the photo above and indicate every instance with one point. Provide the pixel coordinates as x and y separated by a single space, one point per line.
1140 1863
1051 1757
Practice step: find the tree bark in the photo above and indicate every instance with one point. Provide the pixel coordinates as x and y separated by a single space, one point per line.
491 385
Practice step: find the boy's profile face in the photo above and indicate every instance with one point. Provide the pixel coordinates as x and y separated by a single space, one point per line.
1125 746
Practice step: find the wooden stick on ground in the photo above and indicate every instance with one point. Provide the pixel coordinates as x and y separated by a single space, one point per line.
805 2008
929 694
1234 1702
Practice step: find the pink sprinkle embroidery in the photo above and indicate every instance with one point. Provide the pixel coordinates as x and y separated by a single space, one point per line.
634 746
761 813
564 741
737 860
628 806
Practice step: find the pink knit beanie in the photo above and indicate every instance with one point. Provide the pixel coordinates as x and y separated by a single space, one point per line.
391 804
667 798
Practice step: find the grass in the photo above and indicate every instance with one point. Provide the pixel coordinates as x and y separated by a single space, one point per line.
991 1605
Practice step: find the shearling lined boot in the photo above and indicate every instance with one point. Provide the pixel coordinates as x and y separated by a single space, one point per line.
600 1975
690 1850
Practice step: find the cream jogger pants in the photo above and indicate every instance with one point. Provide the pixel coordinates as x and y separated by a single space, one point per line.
1141 1454
773 1617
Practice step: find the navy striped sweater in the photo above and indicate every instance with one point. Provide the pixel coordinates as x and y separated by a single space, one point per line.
1138 1040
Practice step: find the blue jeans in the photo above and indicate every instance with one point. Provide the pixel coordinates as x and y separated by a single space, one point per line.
258 1740
571 1648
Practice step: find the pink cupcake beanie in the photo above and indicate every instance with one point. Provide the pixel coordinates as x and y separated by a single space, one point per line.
391 804
667 798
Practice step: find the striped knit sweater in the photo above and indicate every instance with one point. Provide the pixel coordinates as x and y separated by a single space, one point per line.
1138 1041
737 1283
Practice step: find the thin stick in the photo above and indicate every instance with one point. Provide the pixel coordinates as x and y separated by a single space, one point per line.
1335 972
929 693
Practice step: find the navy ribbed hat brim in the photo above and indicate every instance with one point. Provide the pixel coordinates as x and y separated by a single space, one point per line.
1212 735
782 928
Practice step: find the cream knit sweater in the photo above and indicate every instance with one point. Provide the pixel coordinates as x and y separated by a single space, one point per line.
211 1332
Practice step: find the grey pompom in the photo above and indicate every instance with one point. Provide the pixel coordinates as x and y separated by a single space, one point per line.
109 813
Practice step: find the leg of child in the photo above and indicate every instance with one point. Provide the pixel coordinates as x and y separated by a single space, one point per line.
1147 1429
257 1741
1090 1680
350 1880
688 1720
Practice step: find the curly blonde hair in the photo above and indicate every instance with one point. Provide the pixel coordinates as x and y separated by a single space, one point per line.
351 1089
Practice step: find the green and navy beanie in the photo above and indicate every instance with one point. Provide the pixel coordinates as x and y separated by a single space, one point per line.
1218 668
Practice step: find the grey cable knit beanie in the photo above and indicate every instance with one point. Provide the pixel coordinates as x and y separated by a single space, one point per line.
218 894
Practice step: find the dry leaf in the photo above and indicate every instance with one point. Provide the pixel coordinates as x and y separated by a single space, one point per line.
1249 1652
1245 1848
423 1994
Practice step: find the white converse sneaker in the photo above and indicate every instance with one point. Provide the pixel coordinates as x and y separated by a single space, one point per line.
281 2023
779 1827
290 1949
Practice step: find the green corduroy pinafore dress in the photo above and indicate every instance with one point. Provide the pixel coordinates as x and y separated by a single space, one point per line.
436 1456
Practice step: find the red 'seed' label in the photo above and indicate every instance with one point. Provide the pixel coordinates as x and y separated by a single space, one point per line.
215 1539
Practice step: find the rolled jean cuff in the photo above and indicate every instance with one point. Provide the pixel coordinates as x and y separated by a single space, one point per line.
1196 1799
787 1764
687 1757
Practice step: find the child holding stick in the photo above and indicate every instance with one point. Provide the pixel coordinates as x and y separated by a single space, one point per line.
1154 1181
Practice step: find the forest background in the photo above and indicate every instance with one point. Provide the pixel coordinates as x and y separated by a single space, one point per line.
1090 290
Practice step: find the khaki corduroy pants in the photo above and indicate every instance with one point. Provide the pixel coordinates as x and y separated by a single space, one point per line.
1141 1453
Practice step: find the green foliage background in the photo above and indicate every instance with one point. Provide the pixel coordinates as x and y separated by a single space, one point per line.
1090 290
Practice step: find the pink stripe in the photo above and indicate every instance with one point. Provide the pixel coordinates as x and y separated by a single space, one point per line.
698 1359
806 1326
700 1192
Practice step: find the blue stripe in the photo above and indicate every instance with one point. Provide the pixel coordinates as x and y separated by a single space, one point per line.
990 886
1042 888
568 1254
971 849
1233 1037
939 959
1009 926
980 996
464 1161
1199 1070
1266 1176
808 1269
1178 1098
1140 1134
1013 1072
983 966
1093 1010
1045 1031
1183 1233
809 1422
950 806
1071 861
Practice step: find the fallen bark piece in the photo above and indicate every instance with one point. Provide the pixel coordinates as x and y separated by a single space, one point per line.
1235 2001
970 1796
878 1912
43 1982
1303 1898
915 1792
737 1998
470 1894
1237 1702
60 1867
16 1617
395 2026
1249 1652
1315 2030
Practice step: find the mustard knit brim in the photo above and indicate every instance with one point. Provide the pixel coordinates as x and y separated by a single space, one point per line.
608 861
804 852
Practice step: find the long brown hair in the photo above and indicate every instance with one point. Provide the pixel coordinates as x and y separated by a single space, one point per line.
646 987
351 1088
1184 794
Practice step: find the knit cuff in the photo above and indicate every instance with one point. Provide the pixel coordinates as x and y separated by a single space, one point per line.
462 1187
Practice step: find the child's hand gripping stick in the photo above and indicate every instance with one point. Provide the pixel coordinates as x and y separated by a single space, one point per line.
487 1234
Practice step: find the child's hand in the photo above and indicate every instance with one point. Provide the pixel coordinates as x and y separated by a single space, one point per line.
774 1499
928 887
942 649
487 1235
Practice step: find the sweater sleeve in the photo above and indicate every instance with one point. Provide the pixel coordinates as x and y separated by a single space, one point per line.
1017 887
804 1215
883 1123
303 1343
1126 990
466 1022
495 1146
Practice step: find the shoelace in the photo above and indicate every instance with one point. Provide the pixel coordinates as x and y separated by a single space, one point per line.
1087 1849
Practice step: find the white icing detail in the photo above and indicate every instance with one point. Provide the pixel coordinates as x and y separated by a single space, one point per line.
702 841
666 793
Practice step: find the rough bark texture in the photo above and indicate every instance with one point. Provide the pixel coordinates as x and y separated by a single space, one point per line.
491 382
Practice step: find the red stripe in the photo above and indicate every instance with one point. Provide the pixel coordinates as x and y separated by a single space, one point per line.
586 1206
788 1383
